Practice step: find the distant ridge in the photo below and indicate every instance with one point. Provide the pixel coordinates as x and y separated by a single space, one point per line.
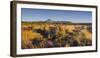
56 22
51 21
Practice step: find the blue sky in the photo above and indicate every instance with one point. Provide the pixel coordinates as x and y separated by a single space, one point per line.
28 14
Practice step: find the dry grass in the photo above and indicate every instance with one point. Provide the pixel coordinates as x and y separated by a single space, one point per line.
64 30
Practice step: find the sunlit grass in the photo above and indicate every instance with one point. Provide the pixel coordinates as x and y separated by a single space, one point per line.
65 35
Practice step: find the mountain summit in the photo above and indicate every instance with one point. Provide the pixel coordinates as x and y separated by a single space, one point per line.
49 20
